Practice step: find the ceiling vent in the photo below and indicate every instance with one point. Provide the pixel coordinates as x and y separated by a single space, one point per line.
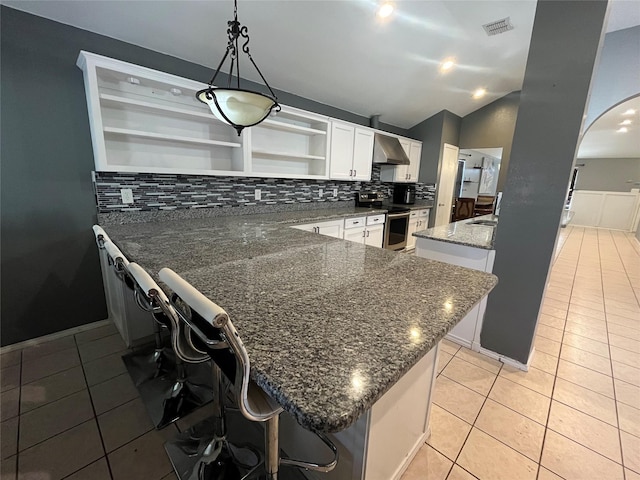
499 26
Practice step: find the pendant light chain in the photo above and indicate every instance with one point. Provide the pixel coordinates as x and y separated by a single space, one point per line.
247 107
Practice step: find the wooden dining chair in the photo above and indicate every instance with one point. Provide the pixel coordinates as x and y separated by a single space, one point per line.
484 205
464 208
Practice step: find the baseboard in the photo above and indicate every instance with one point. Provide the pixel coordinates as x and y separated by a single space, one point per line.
54 336
509 361
458 340
409 458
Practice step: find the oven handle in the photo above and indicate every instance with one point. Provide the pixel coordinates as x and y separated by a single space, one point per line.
398 215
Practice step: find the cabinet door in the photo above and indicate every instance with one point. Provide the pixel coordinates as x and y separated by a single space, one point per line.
402 171
374 235
413 228
423 219
415 151
355 235
331 229
362 154
341 161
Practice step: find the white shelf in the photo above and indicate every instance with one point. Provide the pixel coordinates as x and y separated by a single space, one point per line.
287 156
114 99
287 127
172 138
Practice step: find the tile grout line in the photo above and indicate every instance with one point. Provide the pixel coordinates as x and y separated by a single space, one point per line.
555 377
19 417
624 474
95 416
473 425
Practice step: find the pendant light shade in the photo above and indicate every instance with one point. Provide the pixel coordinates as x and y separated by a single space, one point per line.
234 105
237 107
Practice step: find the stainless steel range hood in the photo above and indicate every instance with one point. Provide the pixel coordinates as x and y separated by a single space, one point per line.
387 150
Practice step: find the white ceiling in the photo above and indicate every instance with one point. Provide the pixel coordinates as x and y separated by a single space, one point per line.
603 140
338 52
334 52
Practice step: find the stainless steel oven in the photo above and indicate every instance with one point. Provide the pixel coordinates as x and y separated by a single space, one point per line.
396 229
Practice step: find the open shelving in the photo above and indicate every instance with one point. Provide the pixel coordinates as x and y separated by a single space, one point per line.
143 120
292 142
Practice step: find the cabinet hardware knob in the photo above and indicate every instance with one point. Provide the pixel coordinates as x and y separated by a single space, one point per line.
354 173
367 233
351 173
363 233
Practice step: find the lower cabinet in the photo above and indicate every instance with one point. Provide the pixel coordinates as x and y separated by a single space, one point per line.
467 331
367 230
419 220
384 440
332 228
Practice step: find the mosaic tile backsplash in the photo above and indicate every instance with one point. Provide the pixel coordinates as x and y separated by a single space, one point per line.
171 192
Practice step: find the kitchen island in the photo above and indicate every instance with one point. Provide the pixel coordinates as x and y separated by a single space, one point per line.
330 326
467 243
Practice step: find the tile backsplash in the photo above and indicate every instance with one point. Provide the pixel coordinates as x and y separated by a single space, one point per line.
171 192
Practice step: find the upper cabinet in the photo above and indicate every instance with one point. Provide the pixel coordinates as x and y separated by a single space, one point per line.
404 173
351 152
147 121
292 144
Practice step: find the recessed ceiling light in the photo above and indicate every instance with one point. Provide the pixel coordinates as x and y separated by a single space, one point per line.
625 122
631 111
479 93
622 130
447 65
385 9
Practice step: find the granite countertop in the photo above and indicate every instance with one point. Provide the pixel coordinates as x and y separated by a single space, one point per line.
329 325
464 232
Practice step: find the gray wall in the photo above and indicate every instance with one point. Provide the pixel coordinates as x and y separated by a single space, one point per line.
443 127
49 266
434 132
492 126
608 174
618 72
564 45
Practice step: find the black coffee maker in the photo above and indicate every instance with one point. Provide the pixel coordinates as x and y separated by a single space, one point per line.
404 193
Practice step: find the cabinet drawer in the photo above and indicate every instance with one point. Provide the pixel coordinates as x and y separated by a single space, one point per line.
354 222
414 213
375 219
424 213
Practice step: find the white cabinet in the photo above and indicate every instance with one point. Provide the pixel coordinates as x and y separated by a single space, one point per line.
366 230
351 152
467 332
404 173
147 121
292 144
143 120
332 228
418 220
381 444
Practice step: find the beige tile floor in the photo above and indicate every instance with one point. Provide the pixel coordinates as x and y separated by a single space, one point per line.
576 414
70 411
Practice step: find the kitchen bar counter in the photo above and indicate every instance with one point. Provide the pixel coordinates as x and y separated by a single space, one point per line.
464 232
329 325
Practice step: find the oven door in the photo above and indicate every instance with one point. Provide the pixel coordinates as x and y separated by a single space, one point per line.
395 231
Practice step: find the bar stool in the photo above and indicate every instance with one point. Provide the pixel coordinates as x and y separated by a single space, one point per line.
212 332
172 395
141 365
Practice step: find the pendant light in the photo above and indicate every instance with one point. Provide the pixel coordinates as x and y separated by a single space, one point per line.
236 106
